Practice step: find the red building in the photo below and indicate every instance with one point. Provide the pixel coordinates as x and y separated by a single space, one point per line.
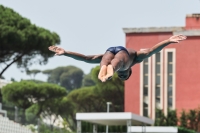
170 78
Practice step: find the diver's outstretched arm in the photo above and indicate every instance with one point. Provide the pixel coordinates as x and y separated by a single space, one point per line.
141 55
76 56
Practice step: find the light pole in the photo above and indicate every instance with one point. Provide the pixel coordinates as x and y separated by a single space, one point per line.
108 109
16 114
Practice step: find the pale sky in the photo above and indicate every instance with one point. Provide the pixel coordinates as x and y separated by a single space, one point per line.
91 26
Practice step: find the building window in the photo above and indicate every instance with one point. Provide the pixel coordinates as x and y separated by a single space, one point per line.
157 81
170 72
145 87
170 80
154 93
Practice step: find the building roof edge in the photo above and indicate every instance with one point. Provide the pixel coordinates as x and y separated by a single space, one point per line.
152 29
187 32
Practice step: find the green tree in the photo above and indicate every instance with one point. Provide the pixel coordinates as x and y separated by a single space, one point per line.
25 93
66 110
20 94
86 100
1 97
94 98
110 91
192 115
69 77
35 81
91 98
33 72
160 118
21 41
198 120
185 130
12 79
171 119
48 111
87 80
1 77
190 119
183 119
47 72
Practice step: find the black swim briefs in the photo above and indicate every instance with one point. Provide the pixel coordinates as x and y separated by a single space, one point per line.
116 49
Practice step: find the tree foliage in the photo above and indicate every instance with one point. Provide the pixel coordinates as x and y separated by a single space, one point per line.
183 119
172 118
21 41
19 93
111 91
185 130
69 77
169 120
25 94
93 98
86 99
34 80
192 119
87 80
1 77
160 118
33 72
1 97
47 72
188 119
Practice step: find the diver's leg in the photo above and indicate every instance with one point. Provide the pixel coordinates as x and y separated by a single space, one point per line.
102 73
106 60
117 63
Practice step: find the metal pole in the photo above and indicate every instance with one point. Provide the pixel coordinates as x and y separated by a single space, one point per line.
108 110
129 124
16 114
79 126
38 125
94 128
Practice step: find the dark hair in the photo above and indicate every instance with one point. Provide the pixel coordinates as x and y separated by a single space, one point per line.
130 72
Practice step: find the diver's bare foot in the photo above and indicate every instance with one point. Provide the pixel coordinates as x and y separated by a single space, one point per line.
102 73
110 72
104 79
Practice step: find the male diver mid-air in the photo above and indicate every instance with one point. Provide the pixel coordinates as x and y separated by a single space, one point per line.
118 59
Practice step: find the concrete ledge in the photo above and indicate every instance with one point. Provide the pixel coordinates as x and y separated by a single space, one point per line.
114 118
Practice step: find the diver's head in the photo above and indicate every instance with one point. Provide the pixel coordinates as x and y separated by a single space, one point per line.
124 75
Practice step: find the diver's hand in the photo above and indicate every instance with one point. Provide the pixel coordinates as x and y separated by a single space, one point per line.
177 38
57 50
